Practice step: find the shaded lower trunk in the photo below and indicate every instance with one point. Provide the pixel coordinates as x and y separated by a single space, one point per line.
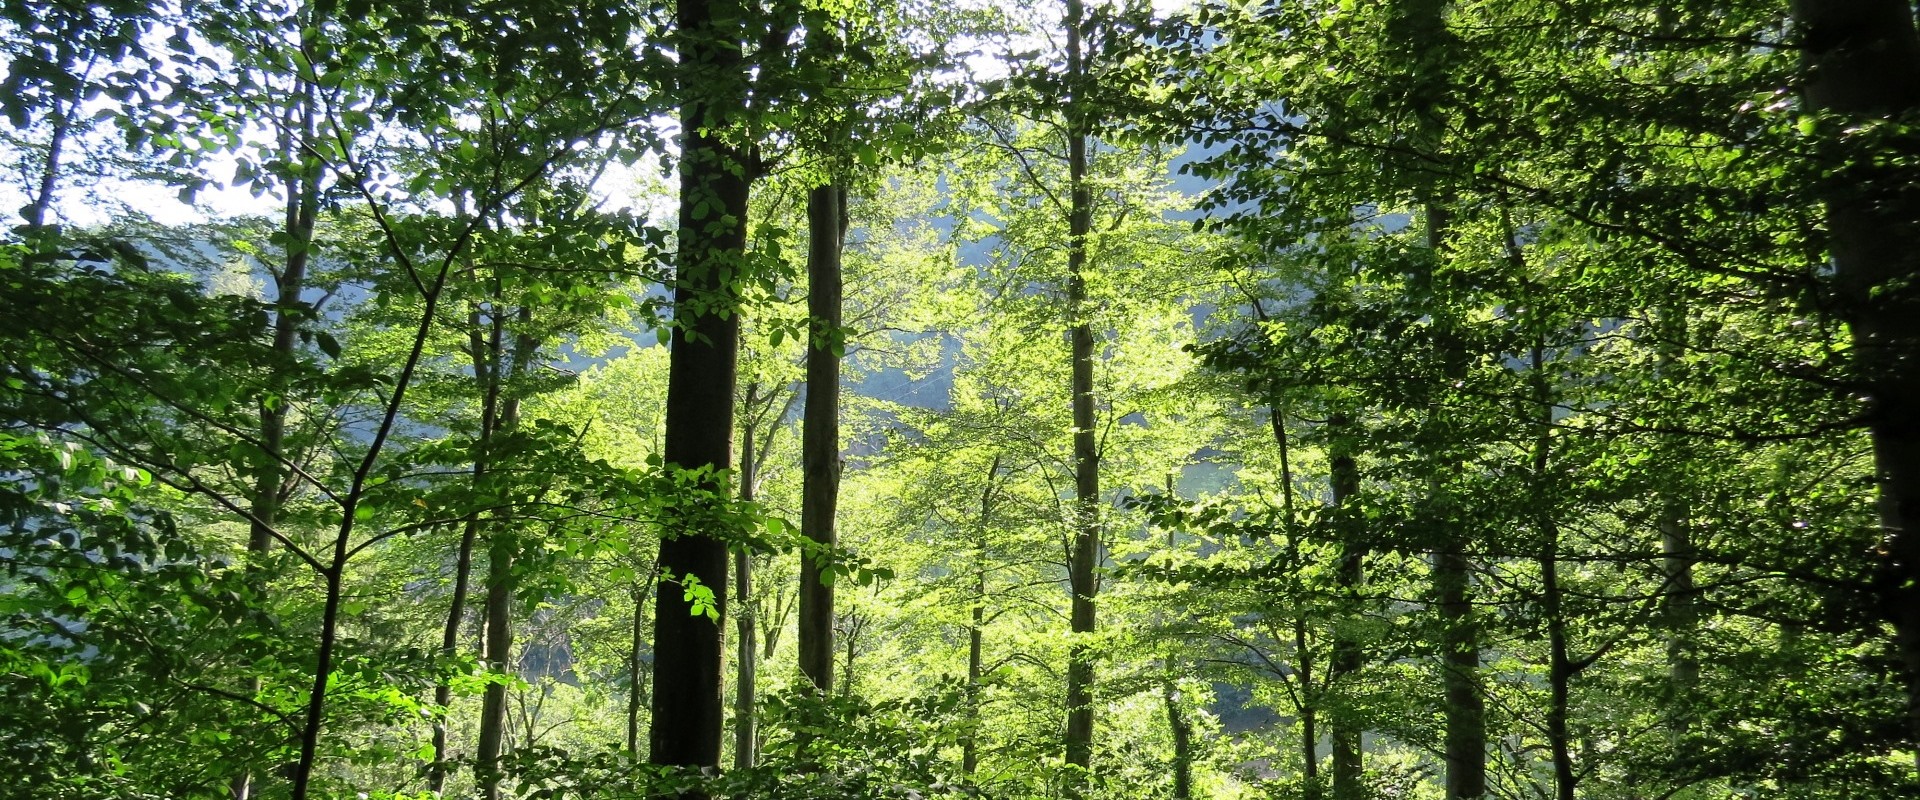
1182 732
449 648
1679 617
746 650
689 718
1348 777
1465 710
497 655
1309 709
820 446
636 679
1560 669
970 747
1861 60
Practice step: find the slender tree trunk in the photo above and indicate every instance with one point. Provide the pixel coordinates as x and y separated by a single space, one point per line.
1678 615
1348 780
449 647
637 674
746 650
1182 732
1309 710
976 650
1862 61
497 609
820 431
42 202
1561 669
483 346
1418 29
270 484
1466 734
688 720
1466 727
1085 552
61 121
1303 661
976 644
503 546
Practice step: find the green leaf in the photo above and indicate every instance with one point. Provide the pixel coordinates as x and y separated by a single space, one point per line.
327 344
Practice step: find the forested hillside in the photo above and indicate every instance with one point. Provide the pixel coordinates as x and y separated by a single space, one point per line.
899 399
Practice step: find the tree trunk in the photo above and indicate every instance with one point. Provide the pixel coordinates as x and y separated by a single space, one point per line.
688 719
1678 614
1862 61
1084 555
1182 732
976 644
820 446
976 649
636 680
269 484
1309 709
1466 733
449 646
1348 780
503 543
1560 666
746 650
1303 661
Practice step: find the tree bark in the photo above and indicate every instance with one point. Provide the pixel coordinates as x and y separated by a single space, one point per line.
688 720
976 632
503 543
1084 555
1418 29
747 649
1678 613
1182 732
636 677
820 445
449 646
1348 780
1560 666
1862 64
270 480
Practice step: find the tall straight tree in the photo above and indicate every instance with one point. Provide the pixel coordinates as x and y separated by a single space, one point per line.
1417 30
1862 63
1347 650
714 180
1084 556
820 432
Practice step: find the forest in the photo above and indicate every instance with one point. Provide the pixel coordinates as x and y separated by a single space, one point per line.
1083 399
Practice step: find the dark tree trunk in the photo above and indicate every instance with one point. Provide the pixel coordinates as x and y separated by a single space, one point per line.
1466 732
503 543
747 649
1085 551
1308 701
688 720
1862 60
1417 29
1182 732
1561 668
976 643
637 675
1309 708
449 647
270 487
820 445
1348 780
